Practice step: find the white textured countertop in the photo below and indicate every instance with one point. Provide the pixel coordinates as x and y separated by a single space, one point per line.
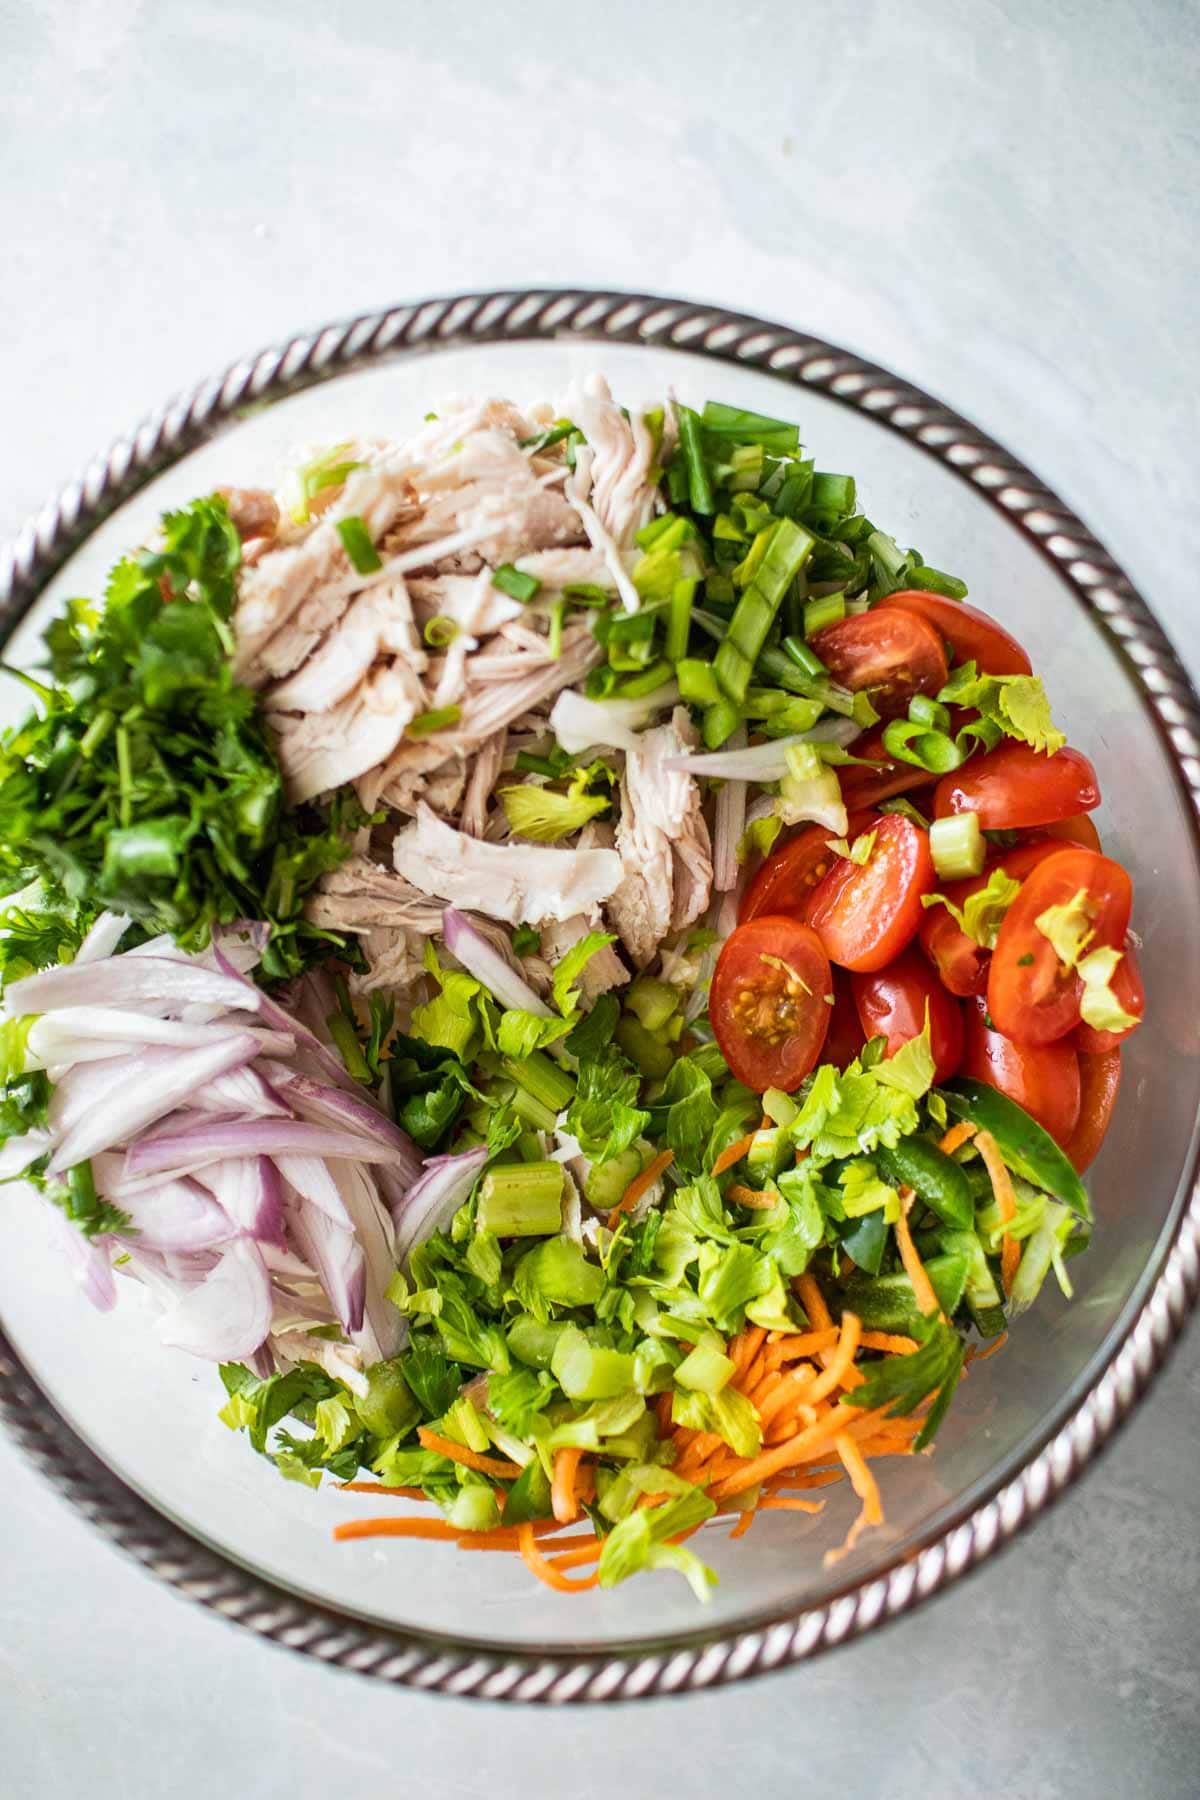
1003 211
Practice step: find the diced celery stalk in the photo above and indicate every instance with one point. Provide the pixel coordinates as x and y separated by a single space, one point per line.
653 1001
533 1343
532 1112
982 1292
828 609
388 1406
1038 1255
541 1078
653 1058
521 1200
768 1155
464 1422
788 550
588 1372
474 1509
706 1370
606 1182
562 1274
958 846
779 1106
697 683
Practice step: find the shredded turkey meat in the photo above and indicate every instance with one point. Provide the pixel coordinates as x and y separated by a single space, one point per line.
521 883
666 855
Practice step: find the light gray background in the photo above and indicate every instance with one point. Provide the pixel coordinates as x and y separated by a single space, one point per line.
997 200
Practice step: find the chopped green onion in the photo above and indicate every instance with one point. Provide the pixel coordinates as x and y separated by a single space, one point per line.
775 435
437 719
554 641
679 619
515 583
909 742
932 581
554 434
699 486
957 846
720 721
441 631
833 493
586 593
786 555
828 609
327 470
805 659
356 541
521 1200
697 683
634 687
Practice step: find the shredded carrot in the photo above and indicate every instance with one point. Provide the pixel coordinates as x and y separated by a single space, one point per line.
640 1185
819 1478
1006 1203
580 1555
563 1492
982 1355
787 1503
757 1199
498 1466
957 1136
378 1487
504 1537
732 1153
888 1340
813 1302
749 1344
807 1343
793 1387
803 1448
840 1363
744 1523
544 1569
867 1489
914 1268
393 1527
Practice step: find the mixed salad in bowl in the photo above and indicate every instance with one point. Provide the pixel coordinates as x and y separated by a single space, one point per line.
569 964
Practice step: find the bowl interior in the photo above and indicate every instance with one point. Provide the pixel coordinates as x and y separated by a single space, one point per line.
151 1414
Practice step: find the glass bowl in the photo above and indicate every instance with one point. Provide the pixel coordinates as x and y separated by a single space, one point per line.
130 1432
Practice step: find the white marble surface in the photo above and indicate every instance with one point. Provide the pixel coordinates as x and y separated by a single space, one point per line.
1004 210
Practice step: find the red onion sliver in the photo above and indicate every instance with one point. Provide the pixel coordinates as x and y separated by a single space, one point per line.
176 1216
103 937
210 1140
312 1178
156 984
228 1314
485 963
248 1188
337 1257
428 1207
88 1259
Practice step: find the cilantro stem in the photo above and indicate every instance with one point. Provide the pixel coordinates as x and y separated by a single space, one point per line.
125 775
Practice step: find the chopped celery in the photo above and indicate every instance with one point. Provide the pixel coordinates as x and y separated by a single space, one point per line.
522 1200
541 1078
653 1001
474 1509
707 1370
533 1343
957 846
557 1273
770 1153
779 1106
652 1057
388 1407
588 1371
606 1182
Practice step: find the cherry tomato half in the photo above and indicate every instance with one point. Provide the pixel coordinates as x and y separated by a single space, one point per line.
892 1003
1078 830
892 654
958 959
1031 996
972 635
845 1038
1015 787
1099 1079
770 1001
1043 1078
864 916
790 874
1130 995
884 779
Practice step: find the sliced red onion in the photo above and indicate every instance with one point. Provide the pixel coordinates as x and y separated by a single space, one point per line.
274 1015
444 1186
177 1216
286 1263
248 1189
103 937
373 1228
227 1315
338 1258
157 983
485 963
210 1140
763 762
330 1106
88 1259
140 1103
729 822
74 1034
241 1093
17 1154
579 723
312 1178
261 1363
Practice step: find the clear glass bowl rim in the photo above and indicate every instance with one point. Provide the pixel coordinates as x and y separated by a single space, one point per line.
1153 1318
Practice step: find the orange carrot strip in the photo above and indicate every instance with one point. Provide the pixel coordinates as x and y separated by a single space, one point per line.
580 1556
888 1340
563 1498
786 1503
792 1388
756 1199
744 1523
914 1268
807 1343
867 1489
500 1467
640 1185
754 1374
732 1153
840 1363
813 1302
544 1569
819 1478
751 1343
440 1529
998 1344
957 1136
1006 1204
804 1448
378 1487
